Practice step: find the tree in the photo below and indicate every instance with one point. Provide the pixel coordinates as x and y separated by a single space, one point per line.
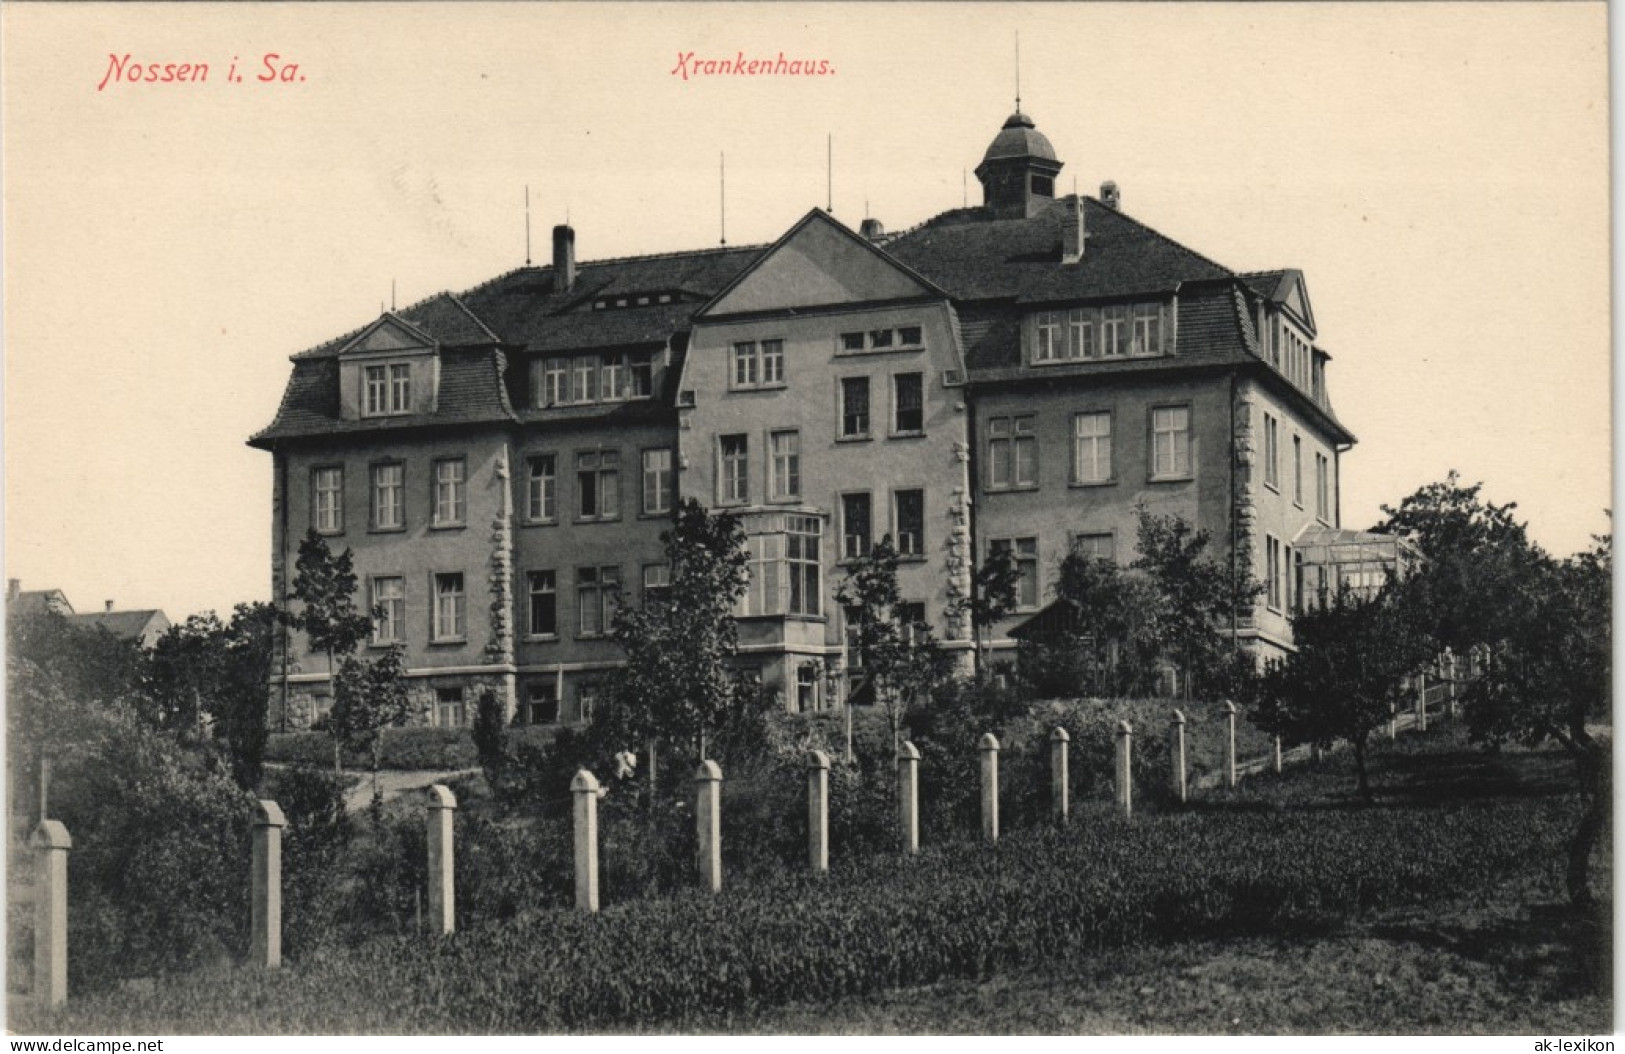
1477 560
325 586
992 596
368 696
897 653
1549 678
1108 643
1198 597
676 683
1349 673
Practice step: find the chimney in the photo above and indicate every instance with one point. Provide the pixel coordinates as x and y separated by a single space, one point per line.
564 258
109 608
872 230
1073 233
14 588
1109 195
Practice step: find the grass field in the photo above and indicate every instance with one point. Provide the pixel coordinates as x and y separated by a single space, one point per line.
1281 907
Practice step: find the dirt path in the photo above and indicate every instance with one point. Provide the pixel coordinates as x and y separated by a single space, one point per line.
395 784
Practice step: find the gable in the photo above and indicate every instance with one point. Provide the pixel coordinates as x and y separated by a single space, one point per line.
818 264
388 334
1294 296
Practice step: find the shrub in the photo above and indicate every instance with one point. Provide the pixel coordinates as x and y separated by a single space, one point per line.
401 748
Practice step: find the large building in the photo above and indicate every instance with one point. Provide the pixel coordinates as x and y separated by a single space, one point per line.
1018 375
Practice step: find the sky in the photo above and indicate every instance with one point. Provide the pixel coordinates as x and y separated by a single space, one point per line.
1439 172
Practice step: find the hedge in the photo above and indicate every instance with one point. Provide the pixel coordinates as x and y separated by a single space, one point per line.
403 748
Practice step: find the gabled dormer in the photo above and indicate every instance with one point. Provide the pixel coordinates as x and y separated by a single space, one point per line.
390 369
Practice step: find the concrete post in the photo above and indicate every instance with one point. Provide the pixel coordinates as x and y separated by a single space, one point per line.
51 913
708 823
818 810
908 796
1275 755
1125 768
1229 744
989 746
265 937
442 860
1451 667
585 790
1060 788
1176 737
1393 723
1421 702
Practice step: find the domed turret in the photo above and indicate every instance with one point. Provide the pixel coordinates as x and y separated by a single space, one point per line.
1018 170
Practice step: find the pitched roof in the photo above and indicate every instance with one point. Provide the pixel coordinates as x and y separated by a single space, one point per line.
125 625
975 257
34 601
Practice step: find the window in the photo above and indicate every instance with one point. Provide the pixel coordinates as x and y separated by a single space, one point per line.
1272 453
785 560
448 708
627 376
388 497
1092 447
542 488
598 590
854 407
807 688
1098 546
735 475
388 389
586 701
909 516
584 379
856 525
1114 331
1012 452
542 588
758 364
1297 582
656 481
1047 330
541 702
598 485
389 603
1323 497
327 511
1025 553
1287 599
903 338
1297 471
449 502
450 607
908 401
1147 329
1080 326
910 616
1272 565
852 619
1170 442
555 382
656 581
784 470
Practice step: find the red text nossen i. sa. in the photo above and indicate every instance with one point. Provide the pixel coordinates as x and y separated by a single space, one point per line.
273 69
688 65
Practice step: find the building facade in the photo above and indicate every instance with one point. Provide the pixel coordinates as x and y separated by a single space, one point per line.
1022 375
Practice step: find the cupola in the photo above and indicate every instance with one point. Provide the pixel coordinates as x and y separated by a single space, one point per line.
1018 171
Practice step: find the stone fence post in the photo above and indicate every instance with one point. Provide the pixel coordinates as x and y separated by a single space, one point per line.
1176 737
1393 722
1125 767
989 746
908 796
442 860
585 790
1422 702
1230 744
52 843
818 810
708 823
1275 754
265 937
1060 786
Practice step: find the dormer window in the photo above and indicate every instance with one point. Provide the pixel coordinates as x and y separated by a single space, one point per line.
585 379
388 389
1112 331
900 338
